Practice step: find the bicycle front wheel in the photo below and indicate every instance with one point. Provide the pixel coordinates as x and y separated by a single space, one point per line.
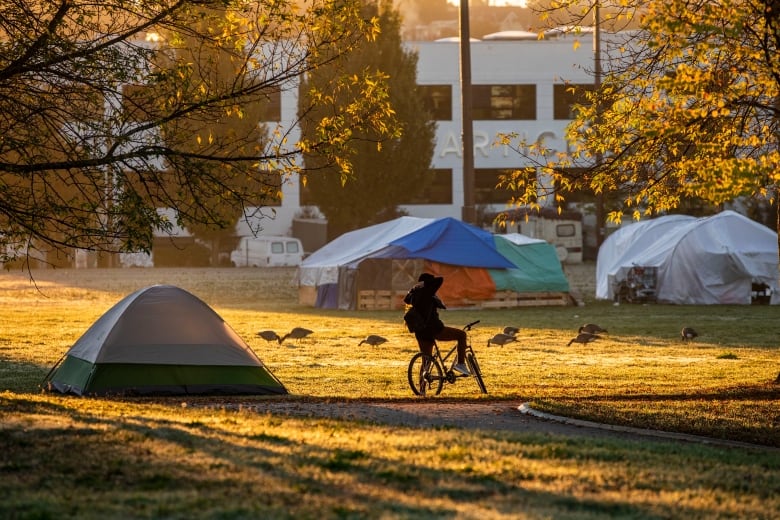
425 375
471 359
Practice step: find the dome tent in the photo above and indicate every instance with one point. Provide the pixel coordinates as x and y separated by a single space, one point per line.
161 340
626 242
712 260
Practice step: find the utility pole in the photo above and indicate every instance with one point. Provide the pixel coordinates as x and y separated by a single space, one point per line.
468 212
600 220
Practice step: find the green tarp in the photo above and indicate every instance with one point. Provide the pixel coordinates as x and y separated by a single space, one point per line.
539 269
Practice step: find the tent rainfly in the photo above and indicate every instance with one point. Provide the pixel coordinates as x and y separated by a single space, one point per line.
161 340
388 257
721 259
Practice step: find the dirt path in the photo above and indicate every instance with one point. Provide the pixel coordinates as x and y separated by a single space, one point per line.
488 416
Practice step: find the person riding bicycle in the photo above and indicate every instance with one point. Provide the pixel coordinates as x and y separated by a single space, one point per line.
423 298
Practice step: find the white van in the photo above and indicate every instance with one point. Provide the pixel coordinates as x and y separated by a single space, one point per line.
266 251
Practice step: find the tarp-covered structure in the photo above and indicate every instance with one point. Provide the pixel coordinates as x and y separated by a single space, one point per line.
721 259
391 255
161 340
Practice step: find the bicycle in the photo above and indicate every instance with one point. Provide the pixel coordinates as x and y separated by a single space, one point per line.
428 373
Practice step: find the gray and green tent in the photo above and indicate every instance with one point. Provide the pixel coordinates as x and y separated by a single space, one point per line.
161 340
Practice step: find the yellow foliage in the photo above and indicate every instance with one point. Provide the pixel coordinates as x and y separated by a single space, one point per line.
686 113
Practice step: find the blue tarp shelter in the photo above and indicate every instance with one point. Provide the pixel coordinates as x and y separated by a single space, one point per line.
389 256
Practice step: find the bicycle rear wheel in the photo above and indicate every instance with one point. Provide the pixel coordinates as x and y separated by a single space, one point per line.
425 375
471 359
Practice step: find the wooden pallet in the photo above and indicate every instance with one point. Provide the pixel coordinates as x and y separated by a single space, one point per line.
543 298
398 300
374 300
509 299
501 300
307 295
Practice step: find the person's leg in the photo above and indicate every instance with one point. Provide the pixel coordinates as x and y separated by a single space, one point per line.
426 346
453 334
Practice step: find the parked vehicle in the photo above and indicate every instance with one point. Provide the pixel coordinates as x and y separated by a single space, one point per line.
562 230
267 251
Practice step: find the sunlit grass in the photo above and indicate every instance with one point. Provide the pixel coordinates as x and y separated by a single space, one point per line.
98 458
95 458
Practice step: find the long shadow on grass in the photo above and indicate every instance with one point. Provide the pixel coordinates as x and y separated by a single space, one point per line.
196 470
27 377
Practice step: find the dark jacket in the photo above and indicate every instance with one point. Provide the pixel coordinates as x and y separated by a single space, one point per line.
423 298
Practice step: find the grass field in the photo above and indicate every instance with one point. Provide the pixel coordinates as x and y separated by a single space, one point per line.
100 458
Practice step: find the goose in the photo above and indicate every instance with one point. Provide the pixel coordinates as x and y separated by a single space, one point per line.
687 333
501 339
296 333
592 328
584 337
511 331
373 340
269 335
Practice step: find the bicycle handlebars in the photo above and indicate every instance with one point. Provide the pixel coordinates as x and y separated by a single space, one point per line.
468 327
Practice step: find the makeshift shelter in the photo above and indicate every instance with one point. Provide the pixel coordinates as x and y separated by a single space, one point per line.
373 267
723 259
538 267
627 242
161 340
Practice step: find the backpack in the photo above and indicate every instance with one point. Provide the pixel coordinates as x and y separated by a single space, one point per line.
415 322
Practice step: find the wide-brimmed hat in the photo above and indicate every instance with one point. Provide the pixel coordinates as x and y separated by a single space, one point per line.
429 280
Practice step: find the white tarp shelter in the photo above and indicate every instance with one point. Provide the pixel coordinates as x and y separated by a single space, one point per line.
710 260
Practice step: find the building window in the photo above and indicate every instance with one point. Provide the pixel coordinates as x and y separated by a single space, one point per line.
503 102
566 95
271 107
485 186
437 99
437 191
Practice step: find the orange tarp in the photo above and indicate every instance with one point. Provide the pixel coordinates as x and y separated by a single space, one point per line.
462 285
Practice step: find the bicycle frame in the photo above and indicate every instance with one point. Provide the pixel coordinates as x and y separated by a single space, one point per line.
430 372
436 353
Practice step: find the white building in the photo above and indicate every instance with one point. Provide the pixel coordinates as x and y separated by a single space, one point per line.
518 86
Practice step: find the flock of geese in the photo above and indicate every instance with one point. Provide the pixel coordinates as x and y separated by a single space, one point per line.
591 332
585 334
295 333
300 333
